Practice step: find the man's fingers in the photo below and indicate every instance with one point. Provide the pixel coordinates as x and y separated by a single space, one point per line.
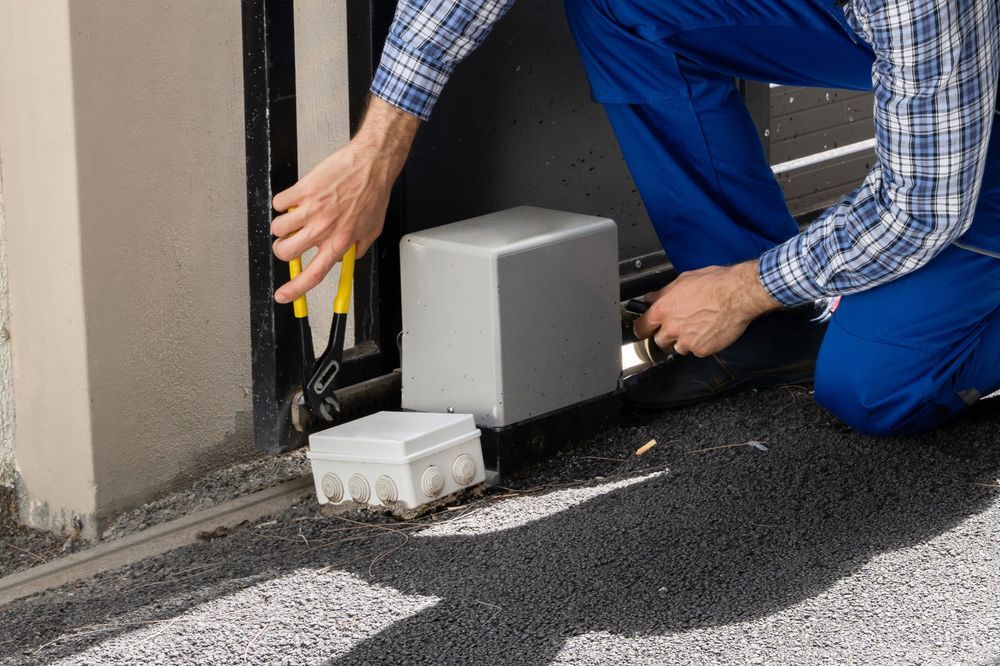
288 223
664 340
644 326
328 255
285 199
338 247
310 276
649 323
289 247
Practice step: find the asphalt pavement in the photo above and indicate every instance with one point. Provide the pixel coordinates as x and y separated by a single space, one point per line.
757 530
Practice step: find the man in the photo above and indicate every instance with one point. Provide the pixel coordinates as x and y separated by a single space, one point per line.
914 250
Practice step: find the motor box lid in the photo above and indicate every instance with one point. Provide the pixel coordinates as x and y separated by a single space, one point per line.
395 437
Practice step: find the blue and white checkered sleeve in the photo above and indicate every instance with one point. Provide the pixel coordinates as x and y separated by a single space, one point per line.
428 38
935 81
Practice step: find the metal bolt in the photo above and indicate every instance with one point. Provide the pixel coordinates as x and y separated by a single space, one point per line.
638 263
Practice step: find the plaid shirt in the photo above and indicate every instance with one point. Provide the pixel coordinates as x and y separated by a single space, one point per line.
427 39
935 82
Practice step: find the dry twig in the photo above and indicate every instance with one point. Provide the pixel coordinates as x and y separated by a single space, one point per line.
384 554
498 610
88 629
193 573
253 640
26 552
156 633
752 443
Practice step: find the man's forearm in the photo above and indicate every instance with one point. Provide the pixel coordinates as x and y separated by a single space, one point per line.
935 88
754 297
389 130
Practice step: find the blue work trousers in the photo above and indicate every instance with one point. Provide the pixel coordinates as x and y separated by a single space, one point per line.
899 358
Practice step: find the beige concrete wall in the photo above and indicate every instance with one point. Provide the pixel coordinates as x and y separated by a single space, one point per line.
7 477
321 79
52 437
158 101
122 136
322 117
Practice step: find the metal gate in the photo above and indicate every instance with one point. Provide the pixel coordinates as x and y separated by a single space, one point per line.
514 126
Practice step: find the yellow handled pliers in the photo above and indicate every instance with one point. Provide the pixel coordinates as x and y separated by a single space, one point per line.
319 376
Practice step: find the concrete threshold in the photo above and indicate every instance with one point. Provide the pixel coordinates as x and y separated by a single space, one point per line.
152 541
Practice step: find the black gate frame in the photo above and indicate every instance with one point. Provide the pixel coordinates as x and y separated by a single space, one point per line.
272 166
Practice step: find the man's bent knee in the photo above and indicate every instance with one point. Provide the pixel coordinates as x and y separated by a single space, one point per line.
851 401
874 388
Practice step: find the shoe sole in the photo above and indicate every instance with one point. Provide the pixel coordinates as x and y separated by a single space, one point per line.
758 380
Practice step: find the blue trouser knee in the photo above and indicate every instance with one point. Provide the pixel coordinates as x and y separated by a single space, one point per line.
665 71
908 355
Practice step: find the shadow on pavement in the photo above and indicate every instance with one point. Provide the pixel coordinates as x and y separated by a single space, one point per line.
726 536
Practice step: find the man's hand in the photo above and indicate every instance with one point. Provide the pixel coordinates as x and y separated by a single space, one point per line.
703 312
343 200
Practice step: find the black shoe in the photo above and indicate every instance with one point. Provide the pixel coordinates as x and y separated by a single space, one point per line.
778 349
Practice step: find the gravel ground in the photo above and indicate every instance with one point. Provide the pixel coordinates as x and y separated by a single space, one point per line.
827 547
22 548
215 488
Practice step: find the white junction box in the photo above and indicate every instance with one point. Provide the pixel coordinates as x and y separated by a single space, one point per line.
396 459
510 315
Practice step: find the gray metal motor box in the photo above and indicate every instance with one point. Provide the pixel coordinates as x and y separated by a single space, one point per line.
510 315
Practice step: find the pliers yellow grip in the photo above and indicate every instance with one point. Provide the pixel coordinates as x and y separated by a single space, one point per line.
319 375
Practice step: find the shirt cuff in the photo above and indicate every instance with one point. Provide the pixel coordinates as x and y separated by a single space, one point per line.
785 276
408 79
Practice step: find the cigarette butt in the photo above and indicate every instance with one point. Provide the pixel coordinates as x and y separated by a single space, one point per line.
645 447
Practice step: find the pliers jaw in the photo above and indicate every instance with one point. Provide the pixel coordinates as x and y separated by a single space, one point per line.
319 388
317 404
